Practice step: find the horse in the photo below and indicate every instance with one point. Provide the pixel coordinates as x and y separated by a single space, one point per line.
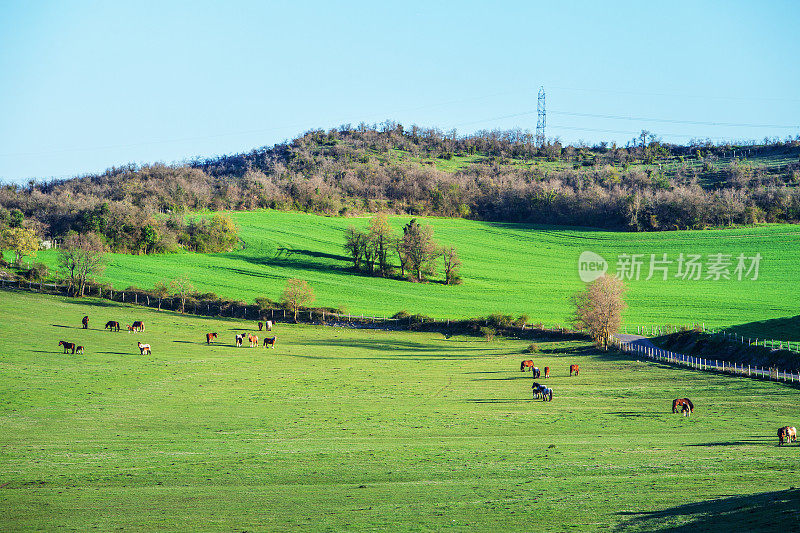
269 342
268 324
573 368
85 322
253 340
791 434
681 402
526 364
783 434
144 349
547 394
112 325
686 410
260 326
67 346
547 371
239 340
130 328
210 337
79 350
138 326
536 372
537 389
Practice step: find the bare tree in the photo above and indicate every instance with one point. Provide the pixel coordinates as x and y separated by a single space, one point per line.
297 293
182 288
381 236
418 250
354 243
81 257
452 265
598 308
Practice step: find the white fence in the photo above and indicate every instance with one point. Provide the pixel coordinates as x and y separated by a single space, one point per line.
711 365
772 344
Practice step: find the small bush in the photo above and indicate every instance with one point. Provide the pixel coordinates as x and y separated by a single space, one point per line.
497 320
533 348
401 314
521 320
37 272
265 303
488 333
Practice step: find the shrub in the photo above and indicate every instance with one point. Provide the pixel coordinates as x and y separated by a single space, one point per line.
533 348
401 314
498 320
521 320
37 272
488 333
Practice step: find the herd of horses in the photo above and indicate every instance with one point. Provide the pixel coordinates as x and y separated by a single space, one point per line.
145 349
684 405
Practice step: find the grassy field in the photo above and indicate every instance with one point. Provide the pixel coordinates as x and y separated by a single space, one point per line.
368 430
508 268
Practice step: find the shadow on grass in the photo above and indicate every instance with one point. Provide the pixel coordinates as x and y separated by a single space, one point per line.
67 327
765 511
637 414
390 346
118 353
761 440
498 400
510 378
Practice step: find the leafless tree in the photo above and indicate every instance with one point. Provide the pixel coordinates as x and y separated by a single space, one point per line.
598 308
81 257
418 250
182 288
297 293
452 265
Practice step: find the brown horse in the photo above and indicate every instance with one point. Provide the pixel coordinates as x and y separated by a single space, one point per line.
547 371
138 326
85 322
253 341
210 337
260 326
112 325
67 346
525 365
269 342
573 368
783 435
144 349
682 402
79 350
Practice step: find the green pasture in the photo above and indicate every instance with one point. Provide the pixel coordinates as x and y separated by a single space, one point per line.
507 268
341 429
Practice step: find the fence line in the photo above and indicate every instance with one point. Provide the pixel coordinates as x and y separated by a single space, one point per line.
224 308
773 344
711 365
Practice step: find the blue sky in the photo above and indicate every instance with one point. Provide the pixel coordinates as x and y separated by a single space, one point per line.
88 85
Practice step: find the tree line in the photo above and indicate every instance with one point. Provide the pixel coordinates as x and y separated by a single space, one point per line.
352 170
417 253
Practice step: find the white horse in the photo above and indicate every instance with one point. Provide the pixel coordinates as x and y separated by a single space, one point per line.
144 349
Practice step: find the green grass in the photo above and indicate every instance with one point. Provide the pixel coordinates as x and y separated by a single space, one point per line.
367 430
508 268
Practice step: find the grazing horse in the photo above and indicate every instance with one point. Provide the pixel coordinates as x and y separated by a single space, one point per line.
239 340
138 326
85 322
682 402
268 323
79 350
253 340
269 341
573 368
144 349
525 365
537 389
112 325
67 346
260 326
210 337
783 435
536 372
547 371
791 434
547 394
